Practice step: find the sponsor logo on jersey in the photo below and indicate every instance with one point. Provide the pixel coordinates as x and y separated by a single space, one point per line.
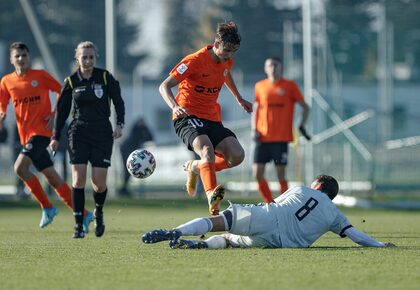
27 100
99 92
182 68
201 89
34 83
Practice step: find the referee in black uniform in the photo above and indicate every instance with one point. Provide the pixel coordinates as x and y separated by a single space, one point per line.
90 91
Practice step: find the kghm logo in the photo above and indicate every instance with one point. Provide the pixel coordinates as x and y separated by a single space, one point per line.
27 100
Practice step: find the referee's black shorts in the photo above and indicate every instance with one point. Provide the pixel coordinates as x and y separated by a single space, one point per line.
189 127
90 142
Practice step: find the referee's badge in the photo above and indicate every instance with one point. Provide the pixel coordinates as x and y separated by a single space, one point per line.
99 92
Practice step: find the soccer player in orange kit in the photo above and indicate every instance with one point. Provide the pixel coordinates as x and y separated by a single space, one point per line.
197 115
29 90
275 98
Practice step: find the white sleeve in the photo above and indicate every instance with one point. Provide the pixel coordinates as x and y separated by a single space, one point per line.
361 238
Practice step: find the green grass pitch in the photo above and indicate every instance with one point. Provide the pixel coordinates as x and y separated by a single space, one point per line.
34 258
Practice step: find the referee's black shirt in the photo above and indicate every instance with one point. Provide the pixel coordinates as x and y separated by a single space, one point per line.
91 99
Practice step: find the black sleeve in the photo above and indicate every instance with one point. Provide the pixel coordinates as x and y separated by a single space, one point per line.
115 94
63 109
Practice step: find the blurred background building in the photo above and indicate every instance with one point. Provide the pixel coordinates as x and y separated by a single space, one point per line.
356 61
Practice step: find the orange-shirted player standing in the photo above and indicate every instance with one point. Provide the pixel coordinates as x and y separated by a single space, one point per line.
275 98
29 90
197 115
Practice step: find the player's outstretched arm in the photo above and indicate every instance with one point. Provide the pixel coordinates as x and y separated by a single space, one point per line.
230 84
363 239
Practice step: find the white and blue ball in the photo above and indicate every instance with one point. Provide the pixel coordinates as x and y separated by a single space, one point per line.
141 163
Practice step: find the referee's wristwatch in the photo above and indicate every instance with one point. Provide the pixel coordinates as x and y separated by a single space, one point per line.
120 124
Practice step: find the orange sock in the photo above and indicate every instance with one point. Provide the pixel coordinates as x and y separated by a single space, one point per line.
220 163
264 190
208 175
64 192
283 186
37 191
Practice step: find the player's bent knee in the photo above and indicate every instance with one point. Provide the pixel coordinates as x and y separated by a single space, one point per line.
236 158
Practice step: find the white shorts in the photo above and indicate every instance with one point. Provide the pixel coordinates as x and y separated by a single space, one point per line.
253 226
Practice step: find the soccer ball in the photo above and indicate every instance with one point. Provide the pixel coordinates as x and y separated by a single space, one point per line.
141 163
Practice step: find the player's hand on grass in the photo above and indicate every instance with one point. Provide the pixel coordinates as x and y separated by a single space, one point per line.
303 132
389 245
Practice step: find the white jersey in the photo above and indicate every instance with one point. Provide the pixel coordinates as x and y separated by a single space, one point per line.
296 219
304 215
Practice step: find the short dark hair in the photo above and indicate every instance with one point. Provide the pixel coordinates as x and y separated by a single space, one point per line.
227 33
19 45
328 185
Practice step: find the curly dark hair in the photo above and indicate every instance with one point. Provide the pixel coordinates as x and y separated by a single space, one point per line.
227 33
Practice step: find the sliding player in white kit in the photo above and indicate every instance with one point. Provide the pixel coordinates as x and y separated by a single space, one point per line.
296 219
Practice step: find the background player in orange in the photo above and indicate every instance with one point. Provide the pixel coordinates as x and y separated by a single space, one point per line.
197 115
29 91
275 98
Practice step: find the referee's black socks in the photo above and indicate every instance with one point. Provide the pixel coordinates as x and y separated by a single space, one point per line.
99 198
78 199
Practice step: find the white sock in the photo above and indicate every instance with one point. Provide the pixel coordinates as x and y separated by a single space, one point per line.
216 242
196 227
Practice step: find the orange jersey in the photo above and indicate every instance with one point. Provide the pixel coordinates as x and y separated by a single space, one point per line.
200 81
274 115
30 97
